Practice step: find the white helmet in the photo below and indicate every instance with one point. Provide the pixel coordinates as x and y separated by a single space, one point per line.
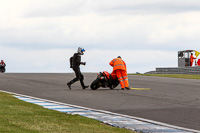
81 50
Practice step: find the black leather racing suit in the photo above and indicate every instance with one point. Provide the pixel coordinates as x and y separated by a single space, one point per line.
2 67
76 62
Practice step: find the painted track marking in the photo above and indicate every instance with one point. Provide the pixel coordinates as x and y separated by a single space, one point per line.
140 88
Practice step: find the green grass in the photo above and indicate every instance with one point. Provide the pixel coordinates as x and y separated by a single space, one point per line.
185 76
17 116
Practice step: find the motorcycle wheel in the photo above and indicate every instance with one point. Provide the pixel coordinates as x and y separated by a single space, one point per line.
113 86
95 85
116 83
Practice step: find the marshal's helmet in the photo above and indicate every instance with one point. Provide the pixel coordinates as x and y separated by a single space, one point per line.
81 50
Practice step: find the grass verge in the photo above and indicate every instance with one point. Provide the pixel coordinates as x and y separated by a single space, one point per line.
185 76
21 117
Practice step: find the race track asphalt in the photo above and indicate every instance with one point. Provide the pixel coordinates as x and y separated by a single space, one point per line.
171 100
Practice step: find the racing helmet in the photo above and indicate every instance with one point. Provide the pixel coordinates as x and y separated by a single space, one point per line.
81 50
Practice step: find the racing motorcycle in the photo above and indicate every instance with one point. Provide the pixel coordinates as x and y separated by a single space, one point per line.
104 79
2 68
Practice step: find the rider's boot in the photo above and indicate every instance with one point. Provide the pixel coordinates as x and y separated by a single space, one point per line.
70 83
83 85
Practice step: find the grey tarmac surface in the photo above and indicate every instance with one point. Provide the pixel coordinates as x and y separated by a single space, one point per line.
171 100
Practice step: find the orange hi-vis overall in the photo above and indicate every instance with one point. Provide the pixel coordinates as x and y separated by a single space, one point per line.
192 59
119 69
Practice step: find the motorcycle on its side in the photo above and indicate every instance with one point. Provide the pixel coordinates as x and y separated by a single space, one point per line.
105 80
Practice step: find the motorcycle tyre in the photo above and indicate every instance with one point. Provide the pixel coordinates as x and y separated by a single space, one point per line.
114 86
95 84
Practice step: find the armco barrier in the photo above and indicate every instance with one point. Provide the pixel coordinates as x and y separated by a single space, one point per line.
176 70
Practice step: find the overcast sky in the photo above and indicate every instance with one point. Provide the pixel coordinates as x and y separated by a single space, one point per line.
41 35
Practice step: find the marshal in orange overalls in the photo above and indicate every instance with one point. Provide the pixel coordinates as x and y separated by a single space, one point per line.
192 59
119 69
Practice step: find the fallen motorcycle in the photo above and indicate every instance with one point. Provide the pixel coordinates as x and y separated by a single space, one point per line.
104 79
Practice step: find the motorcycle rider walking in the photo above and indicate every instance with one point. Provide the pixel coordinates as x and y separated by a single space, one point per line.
2 66
3 63
75 62
119 69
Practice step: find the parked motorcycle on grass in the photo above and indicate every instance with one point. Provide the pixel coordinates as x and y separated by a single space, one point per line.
104 79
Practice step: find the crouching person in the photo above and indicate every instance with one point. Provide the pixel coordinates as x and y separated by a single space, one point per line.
119 69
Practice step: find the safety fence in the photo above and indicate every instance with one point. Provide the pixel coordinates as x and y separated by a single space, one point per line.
176 70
